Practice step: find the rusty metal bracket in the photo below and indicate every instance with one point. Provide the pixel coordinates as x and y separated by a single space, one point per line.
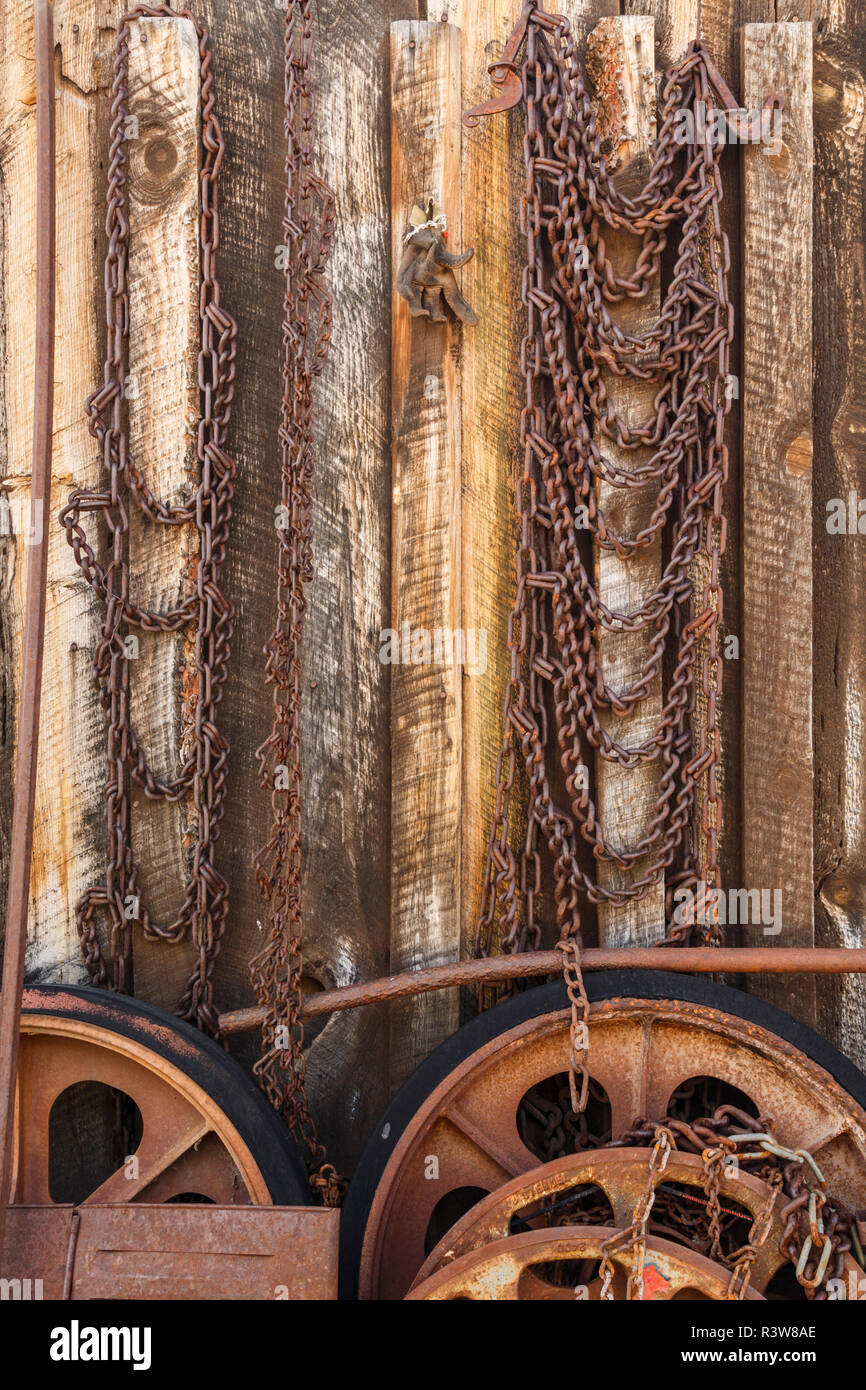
504 74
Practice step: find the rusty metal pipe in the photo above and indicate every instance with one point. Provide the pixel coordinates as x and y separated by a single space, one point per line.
24 793
701 960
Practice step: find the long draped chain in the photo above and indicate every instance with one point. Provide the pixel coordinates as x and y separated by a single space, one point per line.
571 348
209 510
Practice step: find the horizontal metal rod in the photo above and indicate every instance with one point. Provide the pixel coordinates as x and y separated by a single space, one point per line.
701 960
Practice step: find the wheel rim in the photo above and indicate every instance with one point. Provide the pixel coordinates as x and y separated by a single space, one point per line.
641 1050
504 1270
188 1144
622 1176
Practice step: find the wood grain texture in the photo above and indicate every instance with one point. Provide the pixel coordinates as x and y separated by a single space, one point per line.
491 180
426 695
165 334
677 22
720 24
620 59
491 396
345 714
839 576
777 496
68 851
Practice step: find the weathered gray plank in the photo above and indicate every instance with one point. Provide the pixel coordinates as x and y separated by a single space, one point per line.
68 843
345 721
777 497
162 385
620 58
426 735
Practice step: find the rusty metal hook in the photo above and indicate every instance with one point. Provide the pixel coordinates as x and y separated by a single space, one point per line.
504 74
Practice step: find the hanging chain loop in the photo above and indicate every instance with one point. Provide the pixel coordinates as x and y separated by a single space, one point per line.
634 1237
558 696
209 510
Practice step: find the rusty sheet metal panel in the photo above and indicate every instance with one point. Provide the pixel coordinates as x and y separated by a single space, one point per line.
173 1252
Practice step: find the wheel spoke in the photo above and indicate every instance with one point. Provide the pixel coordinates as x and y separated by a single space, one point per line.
99 1049
154 1155
503 1145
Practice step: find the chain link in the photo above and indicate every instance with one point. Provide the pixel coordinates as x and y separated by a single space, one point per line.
634 1237
817 1229
277 970
578 1052
203 775
571 346
742 1260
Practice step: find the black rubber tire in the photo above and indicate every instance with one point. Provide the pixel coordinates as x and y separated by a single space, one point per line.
204 1062
532 1003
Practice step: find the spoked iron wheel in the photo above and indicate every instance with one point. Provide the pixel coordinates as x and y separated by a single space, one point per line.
523 1241
488 1107
197 1129
506 1270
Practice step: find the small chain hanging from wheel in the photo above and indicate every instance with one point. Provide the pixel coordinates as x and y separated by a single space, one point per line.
276 971
556 684
819 1230
203 914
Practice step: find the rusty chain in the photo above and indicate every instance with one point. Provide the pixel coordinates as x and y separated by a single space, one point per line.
209 510
818 1229
276 971
634 1237
571 340
742 1260
578 1039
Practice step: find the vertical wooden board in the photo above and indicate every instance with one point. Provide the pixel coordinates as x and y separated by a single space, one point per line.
777 498
839 577
426 749
677 22
491 179
720 23
491 396
68 843
621 64
164 340
347 724
345 715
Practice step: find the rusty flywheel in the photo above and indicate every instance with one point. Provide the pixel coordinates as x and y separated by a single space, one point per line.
176 1119
455 1189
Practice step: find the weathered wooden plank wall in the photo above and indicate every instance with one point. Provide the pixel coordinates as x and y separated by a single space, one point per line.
777 498
68 851
346 718
162 387
346 731
621 60
426 695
